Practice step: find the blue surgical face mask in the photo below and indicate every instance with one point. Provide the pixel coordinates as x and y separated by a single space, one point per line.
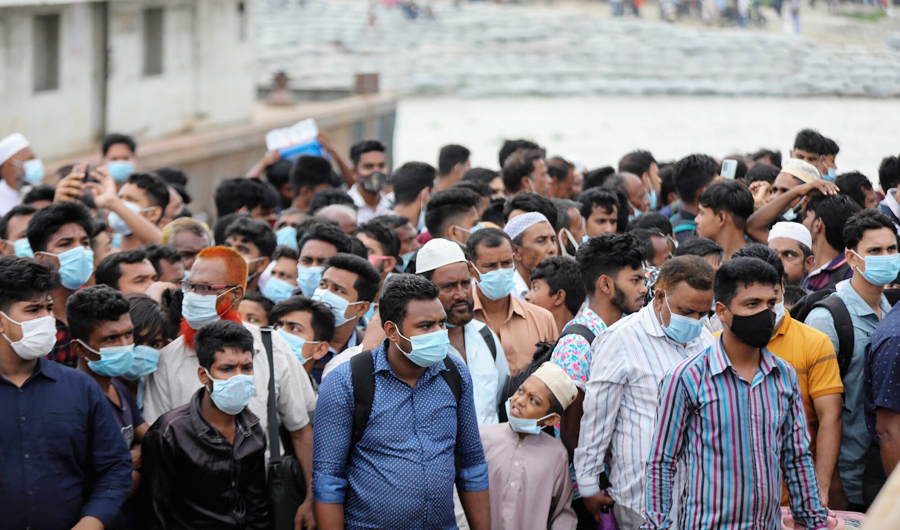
585 238
779 311
406 257
308 279
200 309
120 169
789 215
278 290
637 213
34 171
23 248
497 283
476 228
428 348
653 199
146 360
523 425
118 224
880 270
287 236
830 175
75 267
232 395
116 241
337 304
114 361
296 343
681 329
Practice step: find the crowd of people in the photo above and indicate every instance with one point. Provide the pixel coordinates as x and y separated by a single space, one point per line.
698 344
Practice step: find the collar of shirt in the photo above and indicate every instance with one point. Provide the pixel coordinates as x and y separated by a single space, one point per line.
382 364
718 360
521 288
855 304
43 368
383 205
830 266
205 430
515 306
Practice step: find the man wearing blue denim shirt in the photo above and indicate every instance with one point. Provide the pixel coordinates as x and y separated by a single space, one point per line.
870 239
400 474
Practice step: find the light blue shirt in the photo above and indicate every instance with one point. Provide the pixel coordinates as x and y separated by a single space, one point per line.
855 438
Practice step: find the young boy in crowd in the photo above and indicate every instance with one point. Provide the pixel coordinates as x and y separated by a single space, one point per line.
529 468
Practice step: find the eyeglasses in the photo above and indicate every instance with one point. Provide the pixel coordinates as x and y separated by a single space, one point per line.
202 288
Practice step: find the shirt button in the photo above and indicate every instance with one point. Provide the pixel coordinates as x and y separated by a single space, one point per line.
516 464
512 484
23 418
27 456
20 390
30 492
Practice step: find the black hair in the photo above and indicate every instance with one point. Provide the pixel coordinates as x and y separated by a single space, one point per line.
480 174
364 146
562 212
558 168
597 198
284 251
763 172
216 336
321 316
15 211
742 272
773 156
23 278
834 211
328 233
606 255
636 162
480 188
854 185
385 235
410 179
368 278
666 184
235 193
148 318
596 177
391 220
532 202
310 172
156 188
88 307
358 248
279 173
398 290
156 252
256 231
693 173
109 271
511 146
451 155
646 238
562 274
699 246
653 221
829 147
857 225
115 138
489 237
732 197
172 175
43 192
47 221
555 407
259 298
271 196
793 293
494 212
327 197
448 207
519 164
889 173
810 141
222 224
762 252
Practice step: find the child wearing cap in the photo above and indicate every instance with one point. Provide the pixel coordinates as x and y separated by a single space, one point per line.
529 469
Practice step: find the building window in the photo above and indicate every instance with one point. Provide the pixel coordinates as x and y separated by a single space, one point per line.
46 52
153 41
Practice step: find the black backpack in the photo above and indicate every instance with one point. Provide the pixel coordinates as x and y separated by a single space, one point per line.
541 355
843 325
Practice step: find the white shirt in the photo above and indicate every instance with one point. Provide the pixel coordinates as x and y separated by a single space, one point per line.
488 374
621 396
8 197
366 212
521 288
175 381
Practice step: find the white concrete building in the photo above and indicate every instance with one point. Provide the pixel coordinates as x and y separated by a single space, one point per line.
71 72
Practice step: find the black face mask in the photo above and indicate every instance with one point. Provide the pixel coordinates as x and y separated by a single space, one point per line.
754 330
373 182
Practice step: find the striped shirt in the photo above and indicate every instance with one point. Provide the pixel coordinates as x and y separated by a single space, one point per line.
628 361
736 439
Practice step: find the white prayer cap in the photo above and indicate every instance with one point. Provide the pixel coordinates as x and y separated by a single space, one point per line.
11 145
800 169
437 253
558 381
523 222
795 231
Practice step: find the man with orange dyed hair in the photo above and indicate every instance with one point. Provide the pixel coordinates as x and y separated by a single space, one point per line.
213 291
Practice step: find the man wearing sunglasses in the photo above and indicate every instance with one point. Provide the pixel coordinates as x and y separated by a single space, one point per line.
213 291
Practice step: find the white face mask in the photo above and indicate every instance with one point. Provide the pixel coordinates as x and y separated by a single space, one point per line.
38 337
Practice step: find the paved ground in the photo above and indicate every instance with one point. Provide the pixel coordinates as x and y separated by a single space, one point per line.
571 49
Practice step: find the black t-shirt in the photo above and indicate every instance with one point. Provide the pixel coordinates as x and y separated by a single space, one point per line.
128 416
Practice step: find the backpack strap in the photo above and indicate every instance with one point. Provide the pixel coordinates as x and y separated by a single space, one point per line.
362 373
579 329
452 378
843 326
488 337
272 414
